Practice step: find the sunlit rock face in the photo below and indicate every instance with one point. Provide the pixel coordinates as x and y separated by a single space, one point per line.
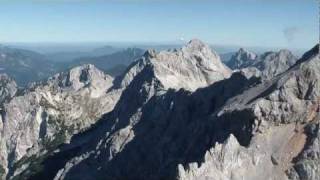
274 63
285 144
270 64
242 59
194 65
8 88
179 114
48 113
237 128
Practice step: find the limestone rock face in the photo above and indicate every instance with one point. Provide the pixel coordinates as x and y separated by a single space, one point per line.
228 161
242 59
182 115
285 141
270 63
274 63
307 165
194 65
267 157
47 114
264 120
8 87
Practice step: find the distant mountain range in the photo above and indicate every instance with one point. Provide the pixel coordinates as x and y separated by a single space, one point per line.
24 65
67 56
114 63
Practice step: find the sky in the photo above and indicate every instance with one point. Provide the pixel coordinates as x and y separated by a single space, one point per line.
267 23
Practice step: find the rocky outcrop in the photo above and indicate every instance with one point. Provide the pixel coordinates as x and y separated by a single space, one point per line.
284 144
307 164
183 115
242 59
267 157
8 88
145 80
274 63
264 120
193 66
270 63
48 113
70 102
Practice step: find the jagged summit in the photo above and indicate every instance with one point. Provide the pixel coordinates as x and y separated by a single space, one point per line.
86 76
196 45
150 53
284 51
245 51
274 63
257 122
270 63
50 112
284 110
242 127
242 59
82 76
194 65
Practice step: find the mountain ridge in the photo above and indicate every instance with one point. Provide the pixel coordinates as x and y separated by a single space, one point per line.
250 133
269 64
211 124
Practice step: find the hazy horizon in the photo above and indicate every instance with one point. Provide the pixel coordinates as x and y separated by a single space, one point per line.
244 23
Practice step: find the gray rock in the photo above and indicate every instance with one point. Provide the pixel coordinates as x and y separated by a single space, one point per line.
242 59
182 115
157 132
283 144
270 64
274 63
193 66
307 165
8 88
47 114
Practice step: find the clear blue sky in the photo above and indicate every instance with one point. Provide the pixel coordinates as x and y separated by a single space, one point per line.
273 23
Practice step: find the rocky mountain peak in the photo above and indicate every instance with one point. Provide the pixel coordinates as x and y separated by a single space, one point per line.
250 55
80 77
150 53
194 65
242 127
284 51
274 63
51 112
196 45
242 59
278 55
270 63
